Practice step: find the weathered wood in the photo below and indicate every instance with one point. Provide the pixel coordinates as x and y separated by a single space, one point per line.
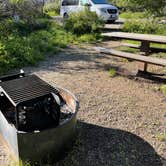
145 67
138 37
131 45
152 49
145 47
141 58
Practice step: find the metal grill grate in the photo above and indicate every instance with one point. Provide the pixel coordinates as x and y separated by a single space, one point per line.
26 88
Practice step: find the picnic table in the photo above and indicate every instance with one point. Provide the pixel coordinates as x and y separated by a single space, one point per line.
145 39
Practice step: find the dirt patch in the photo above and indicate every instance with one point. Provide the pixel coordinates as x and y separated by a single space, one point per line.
121 120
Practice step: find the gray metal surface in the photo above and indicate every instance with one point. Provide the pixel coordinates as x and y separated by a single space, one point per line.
9 134
46 144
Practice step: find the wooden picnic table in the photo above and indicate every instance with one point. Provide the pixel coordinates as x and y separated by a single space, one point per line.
145 39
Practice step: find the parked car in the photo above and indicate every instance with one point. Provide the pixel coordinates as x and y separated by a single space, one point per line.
102 8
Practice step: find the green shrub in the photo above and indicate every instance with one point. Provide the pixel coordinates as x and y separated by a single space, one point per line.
144 26
9 26
126 5
89 38
133 15
151 6
17 50
84 22
23 44
52 8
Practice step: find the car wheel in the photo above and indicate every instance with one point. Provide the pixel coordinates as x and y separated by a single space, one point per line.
65 16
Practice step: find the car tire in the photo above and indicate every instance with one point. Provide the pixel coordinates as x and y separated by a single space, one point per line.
65 16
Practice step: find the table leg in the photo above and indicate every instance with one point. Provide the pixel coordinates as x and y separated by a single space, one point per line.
145 48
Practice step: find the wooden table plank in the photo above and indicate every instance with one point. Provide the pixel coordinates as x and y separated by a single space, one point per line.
136 36
141 58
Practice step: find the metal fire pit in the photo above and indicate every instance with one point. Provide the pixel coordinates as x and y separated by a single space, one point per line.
37 120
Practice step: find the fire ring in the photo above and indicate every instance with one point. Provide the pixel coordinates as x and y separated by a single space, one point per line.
37 120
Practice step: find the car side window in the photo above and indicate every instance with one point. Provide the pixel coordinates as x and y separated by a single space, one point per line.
70 2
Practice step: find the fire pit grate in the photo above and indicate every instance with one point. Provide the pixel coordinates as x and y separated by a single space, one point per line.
37 120
26 88
30 103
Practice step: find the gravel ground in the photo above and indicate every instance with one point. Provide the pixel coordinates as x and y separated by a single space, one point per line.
122 120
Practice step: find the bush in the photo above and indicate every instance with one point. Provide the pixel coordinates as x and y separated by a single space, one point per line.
126 5
84 22
89 38
9 26
17 50
151 6
25 43
131 15
144 26
52 8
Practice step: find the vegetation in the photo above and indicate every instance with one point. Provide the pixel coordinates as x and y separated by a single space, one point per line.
163 89
150 26
133 15
52 8
143 16
84 22
151 6
24 9
161 136
22 44
112 72
29 38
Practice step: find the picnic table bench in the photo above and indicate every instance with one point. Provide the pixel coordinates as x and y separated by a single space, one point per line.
145 47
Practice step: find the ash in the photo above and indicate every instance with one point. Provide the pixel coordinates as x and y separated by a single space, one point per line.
65 113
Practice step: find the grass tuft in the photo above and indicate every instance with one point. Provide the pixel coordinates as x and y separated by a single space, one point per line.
112 72
161 137
163 89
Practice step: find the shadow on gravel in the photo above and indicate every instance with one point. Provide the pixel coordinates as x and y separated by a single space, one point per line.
70 60
79 61
101 146
157 78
